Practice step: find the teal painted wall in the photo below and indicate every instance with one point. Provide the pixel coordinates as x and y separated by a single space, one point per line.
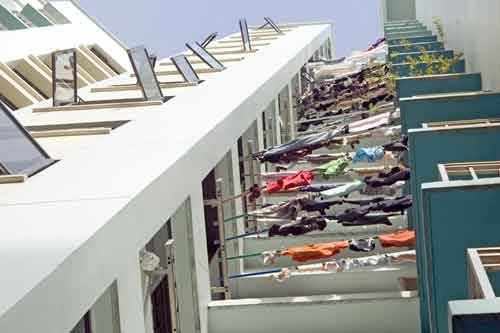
403 70
427 149
397 28
436 84
415 111
408 34
9 20
425 39
416 47
455 219
403 57
35 17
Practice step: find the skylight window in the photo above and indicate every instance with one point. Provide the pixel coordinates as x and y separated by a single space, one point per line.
184 67
273 25
209 39
64 78
204 55
20 154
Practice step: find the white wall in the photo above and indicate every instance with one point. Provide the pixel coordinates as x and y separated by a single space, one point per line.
470 27
356 313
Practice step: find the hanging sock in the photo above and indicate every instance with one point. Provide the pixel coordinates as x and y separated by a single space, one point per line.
368 155
300 178
404 238
315 251
269 257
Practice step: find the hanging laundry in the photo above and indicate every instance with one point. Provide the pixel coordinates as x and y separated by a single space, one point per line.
301 178
362 245
389 178
383 190
316 188
344 190
346 265
369 123
274 176
364 202
404 238
379 42
368 220
319 206
333 168
299 147
368 155
301 227
393 205
254 193
350 214
286 210
398 145
315 251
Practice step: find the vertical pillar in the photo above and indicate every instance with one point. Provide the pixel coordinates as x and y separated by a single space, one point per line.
200 256
185 270
291 109
277 120
131 299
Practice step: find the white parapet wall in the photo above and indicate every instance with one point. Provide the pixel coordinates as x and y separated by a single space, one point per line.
393 312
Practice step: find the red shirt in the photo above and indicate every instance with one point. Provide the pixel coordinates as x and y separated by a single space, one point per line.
301 178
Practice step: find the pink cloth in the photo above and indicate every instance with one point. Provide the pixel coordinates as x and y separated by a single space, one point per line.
369 123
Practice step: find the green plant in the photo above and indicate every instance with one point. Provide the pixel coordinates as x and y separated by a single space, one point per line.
433 63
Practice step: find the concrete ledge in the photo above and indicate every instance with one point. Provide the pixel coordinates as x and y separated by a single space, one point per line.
373 312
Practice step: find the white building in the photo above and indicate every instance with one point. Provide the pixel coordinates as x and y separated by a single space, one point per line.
129 179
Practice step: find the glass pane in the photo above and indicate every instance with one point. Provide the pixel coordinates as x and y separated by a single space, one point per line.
64 75
19 154
204 55
245 37
273 25
145 74
184 67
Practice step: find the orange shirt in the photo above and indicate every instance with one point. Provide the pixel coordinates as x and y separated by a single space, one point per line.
404 238
315 251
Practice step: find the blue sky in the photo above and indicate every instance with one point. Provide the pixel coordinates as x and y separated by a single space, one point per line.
164 26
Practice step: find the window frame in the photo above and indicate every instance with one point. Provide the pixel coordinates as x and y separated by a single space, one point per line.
33 169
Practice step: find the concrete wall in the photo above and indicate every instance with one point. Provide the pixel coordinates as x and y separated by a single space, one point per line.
358 313
470 27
